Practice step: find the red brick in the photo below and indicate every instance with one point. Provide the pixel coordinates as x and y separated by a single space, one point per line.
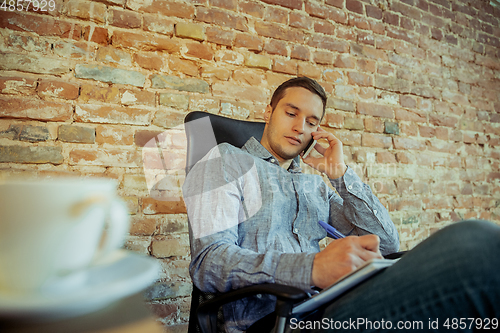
407 24
240 92
158 24
164 7
273 46
354 6
301 21
406 143
366 38
285 66
361 79
276 15
440 120
86 10
410 115
110 157
336 3
219 36
300 52
44 26
248 41
149 61
376 140
426 131
349 138
400 204
346 33
183 66
408 101
391 18
124 18
324 28
252 78
292 4
277 31
152 206
408 129
309 70
199 50
114 135
226 4
162 310
113 114
359 22
377 27
222 18
137 97
436 33
58 89
394 32
374 12
345 61
143 137
405 157
328 43
252 8
102 94
374 125
14 107
367 65
17 85
144 42
375 110
97 35
386 157
323 57
334 120
326 12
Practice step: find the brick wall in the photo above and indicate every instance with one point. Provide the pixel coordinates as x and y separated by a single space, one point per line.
413 86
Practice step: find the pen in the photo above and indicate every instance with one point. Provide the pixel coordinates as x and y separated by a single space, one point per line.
331 231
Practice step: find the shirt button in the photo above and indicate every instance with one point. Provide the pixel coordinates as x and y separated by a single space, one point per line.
374 211
350 187
273 160
295 230
258 295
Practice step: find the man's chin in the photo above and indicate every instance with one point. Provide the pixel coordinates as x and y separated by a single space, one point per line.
288 155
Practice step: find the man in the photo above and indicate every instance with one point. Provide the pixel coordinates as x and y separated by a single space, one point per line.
254 215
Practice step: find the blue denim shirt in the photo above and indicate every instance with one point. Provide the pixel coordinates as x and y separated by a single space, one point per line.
252 222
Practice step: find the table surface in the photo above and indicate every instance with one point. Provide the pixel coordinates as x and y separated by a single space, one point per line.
127 315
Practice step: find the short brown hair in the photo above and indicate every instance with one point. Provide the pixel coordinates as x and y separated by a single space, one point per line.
304 82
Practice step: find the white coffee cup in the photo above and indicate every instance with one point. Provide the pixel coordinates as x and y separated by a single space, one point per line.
52 231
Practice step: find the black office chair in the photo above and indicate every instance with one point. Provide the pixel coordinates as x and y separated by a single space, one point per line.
205 313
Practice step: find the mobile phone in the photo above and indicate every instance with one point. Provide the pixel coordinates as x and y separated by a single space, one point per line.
309 147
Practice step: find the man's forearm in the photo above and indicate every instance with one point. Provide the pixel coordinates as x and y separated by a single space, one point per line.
362 210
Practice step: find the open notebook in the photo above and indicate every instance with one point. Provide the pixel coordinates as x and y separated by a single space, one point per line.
349 281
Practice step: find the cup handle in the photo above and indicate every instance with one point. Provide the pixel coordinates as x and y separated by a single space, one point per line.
117 225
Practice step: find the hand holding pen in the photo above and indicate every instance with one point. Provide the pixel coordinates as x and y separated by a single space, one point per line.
331 231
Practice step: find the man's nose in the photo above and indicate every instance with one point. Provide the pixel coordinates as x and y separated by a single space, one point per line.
299 125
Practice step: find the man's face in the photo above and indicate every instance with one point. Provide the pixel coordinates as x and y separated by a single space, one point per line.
290 125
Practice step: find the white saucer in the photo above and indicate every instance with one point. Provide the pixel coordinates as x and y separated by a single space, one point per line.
106 283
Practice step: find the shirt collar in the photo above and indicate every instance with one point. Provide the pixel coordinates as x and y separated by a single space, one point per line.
255 148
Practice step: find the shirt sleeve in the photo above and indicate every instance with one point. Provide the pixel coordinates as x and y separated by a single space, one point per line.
358 211
213 195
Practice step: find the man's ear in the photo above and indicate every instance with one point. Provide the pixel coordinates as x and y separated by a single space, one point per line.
267 114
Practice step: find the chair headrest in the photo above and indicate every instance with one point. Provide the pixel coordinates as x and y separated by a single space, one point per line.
205 130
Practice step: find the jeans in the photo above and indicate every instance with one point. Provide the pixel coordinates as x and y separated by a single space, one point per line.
448 283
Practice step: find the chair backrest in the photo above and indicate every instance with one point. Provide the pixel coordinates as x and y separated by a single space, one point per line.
200 134
204 131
